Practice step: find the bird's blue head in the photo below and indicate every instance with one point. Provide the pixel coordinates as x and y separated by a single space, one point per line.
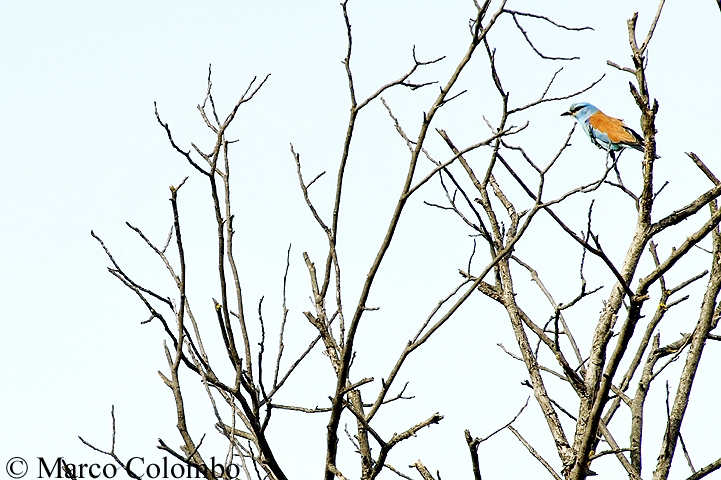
581 110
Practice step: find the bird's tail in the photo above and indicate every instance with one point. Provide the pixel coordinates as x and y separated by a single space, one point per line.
637 146
641 147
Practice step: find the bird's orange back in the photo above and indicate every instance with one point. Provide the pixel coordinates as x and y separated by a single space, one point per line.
613 127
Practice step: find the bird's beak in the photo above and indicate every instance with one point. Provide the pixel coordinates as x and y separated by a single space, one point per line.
566 113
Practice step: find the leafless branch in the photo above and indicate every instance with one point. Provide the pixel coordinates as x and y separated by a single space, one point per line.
516 14
535 454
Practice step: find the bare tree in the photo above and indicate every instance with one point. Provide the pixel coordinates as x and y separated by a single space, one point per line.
498 197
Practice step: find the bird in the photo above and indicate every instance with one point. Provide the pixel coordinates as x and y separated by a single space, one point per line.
607 133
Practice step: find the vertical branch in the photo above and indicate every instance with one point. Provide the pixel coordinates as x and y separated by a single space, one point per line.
707 321
648 115
473 444
600 372
222 307
231 260
189 447
637 406
333 234
281 345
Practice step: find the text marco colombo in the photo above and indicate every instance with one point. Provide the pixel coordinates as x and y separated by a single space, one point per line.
60 468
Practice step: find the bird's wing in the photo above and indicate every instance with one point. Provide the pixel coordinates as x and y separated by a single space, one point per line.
614 129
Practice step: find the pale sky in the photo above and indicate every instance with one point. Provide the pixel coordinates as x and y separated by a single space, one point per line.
82 150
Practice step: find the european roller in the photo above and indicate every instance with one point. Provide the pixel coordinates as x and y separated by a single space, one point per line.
607 133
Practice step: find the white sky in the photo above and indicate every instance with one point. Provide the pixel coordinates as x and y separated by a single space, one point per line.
82 150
